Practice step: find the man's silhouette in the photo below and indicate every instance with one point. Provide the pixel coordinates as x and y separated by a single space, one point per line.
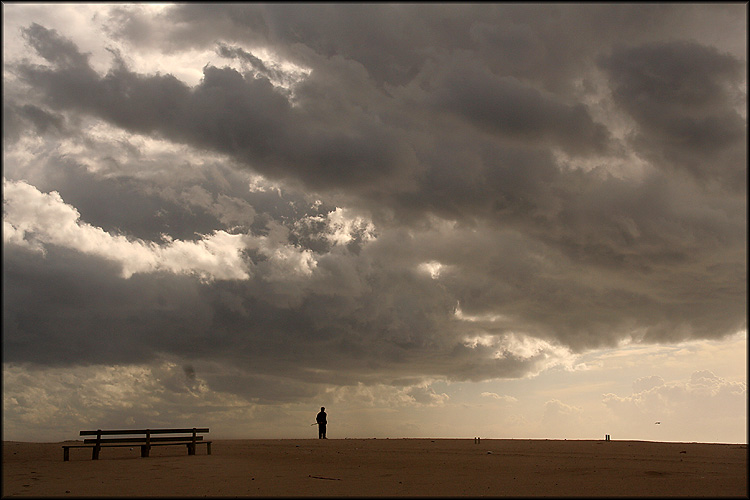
321 420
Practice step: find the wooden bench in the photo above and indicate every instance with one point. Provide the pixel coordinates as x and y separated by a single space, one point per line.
143 438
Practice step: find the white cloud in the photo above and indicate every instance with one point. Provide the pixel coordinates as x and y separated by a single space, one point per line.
680 359
474 318
704 403
544 354
386 396
560 418
493 395
343 226
259 184
340 226
646 383
285 262
65 19
425 395
483 340
34 219
185 65
555 409
54 403
433 268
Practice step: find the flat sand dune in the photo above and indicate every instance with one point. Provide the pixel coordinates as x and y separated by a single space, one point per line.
383 467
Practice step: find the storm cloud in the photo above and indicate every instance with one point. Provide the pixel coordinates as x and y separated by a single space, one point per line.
355 195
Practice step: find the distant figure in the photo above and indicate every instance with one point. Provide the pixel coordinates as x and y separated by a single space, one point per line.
321 420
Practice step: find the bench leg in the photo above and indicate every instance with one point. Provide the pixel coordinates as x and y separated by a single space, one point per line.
66 454
208 448
144 451
191 449
95 453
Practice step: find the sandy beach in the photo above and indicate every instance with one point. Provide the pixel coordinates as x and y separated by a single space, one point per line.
383 467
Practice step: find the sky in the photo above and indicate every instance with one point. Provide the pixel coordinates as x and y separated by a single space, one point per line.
520 221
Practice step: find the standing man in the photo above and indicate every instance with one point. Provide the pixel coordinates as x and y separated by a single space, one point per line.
321 420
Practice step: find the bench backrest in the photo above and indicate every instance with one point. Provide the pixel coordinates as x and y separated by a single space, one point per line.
142 435
101 432
144 440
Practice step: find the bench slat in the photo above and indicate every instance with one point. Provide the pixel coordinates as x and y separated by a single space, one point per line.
186 442
114 445
142 431
142 439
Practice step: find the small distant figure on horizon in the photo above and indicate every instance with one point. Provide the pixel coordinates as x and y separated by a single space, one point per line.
321 420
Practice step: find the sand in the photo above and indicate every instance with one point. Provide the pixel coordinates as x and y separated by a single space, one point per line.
383 467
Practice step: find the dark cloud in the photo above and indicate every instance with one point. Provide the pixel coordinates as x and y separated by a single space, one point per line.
239 115
550 44
683 97
54 48
43 121
485 141
515 111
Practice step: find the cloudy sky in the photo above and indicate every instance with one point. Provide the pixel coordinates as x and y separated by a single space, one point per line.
496 220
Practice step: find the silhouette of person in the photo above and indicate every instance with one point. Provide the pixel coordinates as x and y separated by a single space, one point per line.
322 421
